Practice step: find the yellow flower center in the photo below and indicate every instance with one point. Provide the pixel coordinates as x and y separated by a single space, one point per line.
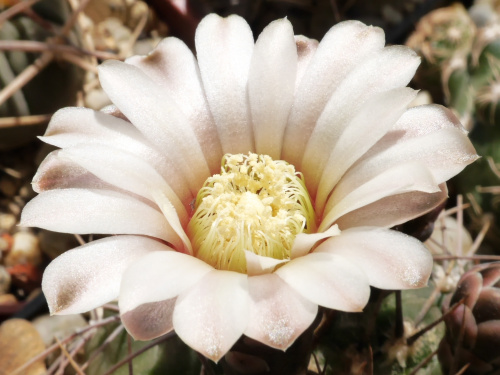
256 204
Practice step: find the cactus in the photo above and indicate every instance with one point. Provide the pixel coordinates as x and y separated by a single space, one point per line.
472 338
461 60
438 38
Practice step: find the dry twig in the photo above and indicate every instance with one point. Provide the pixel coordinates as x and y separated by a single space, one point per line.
16 9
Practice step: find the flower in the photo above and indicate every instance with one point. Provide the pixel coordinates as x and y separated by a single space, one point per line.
319 158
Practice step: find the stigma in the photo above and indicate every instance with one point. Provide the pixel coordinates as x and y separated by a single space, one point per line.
255 204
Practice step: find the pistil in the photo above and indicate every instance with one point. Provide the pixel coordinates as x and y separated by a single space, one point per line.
256 204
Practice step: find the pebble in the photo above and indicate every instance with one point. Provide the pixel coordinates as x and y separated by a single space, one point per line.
423 97
4 246
7 222
8 187
60 326
19 342
14 208
7 299
6 241
5 280
26 191
25 249
96 99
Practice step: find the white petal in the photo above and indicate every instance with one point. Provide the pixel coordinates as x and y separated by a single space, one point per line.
345 46
58 172
304 242
369 125
306 49
390 259
429 134
89 276
213 314
327 280
394 210
392 68
156 116
258 264
445 153
271 85
172 65
159 276
224 49
148 321
397 180
424 119
278 314
170 213
82 126
95 211
124 170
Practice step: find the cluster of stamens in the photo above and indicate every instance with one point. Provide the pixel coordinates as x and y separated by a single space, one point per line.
256 204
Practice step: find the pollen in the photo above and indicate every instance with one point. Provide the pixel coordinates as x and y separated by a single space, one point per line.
256 204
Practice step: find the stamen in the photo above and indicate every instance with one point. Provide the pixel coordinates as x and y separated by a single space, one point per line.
256 204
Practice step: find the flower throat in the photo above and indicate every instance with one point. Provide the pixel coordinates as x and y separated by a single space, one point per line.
256 204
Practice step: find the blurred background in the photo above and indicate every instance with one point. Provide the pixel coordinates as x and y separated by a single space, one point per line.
49 52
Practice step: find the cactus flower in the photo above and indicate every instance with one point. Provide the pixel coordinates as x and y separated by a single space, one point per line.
247 186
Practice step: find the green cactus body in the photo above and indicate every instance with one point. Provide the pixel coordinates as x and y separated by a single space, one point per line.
486 83
438 38
459 93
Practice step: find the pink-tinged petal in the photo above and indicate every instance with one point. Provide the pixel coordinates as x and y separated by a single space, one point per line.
259 265
304 242
170 213
89 276
394 210
305 51
422 120
71 127
392 68
124 170
213 314
224 49
327 280
58 172
157 116
86 211
159 276
148 321
397 180
390 259
445 153
429 134
383 110
172 65
113 110
271 85
346 45
278 314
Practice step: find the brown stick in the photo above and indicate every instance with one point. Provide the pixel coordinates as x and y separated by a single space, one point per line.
53 347
159 340
35 46
25 76
8 122
15 9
